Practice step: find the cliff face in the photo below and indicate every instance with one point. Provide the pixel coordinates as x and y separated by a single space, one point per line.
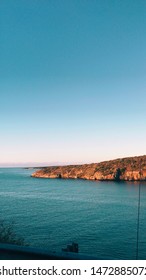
125 169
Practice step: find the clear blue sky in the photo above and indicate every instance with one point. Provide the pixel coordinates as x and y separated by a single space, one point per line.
72 80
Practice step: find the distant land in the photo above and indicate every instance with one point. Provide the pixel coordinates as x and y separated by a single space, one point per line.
122 169
28 164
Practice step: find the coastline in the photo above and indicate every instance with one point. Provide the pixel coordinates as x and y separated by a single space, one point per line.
125 169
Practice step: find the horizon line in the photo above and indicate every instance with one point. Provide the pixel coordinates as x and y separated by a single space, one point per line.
54 163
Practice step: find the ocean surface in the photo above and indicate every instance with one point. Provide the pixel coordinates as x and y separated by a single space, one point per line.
51 213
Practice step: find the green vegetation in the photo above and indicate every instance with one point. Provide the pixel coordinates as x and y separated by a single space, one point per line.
8 235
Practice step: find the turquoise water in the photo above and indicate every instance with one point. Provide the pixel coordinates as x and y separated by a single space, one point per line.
51 213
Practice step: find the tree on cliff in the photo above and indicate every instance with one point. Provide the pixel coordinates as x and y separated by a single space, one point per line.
118 174
8 235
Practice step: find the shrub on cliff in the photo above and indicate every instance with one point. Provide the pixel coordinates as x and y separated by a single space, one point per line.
8 235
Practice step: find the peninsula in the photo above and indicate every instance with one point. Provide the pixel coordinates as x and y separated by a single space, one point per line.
123 169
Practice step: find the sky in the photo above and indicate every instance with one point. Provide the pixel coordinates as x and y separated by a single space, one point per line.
72 81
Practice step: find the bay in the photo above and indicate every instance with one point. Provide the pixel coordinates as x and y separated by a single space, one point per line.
52 213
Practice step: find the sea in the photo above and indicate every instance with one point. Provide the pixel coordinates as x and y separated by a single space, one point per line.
52 213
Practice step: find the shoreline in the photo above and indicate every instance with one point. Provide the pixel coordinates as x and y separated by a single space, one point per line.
126 169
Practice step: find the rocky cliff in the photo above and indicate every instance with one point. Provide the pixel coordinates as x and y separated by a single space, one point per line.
124 169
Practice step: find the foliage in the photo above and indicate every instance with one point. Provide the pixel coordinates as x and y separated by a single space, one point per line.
8 235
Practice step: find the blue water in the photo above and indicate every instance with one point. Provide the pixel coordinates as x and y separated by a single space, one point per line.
51 213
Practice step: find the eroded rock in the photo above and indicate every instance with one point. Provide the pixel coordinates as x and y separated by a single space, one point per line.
125 169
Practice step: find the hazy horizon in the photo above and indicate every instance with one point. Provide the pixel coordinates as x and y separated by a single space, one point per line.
72 81
34 164
43 164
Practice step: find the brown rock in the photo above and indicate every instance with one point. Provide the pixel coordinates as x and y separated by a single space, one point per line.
125 169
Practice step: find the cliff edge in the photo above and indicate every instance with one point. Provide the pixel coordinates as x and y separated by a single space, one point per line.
124 169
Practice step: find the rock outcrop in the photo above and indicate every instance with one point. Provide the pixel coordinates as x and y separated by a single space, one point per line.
124 169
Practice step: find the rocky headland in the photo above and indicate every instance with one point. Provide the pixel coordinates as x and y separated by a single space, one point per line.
123 169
